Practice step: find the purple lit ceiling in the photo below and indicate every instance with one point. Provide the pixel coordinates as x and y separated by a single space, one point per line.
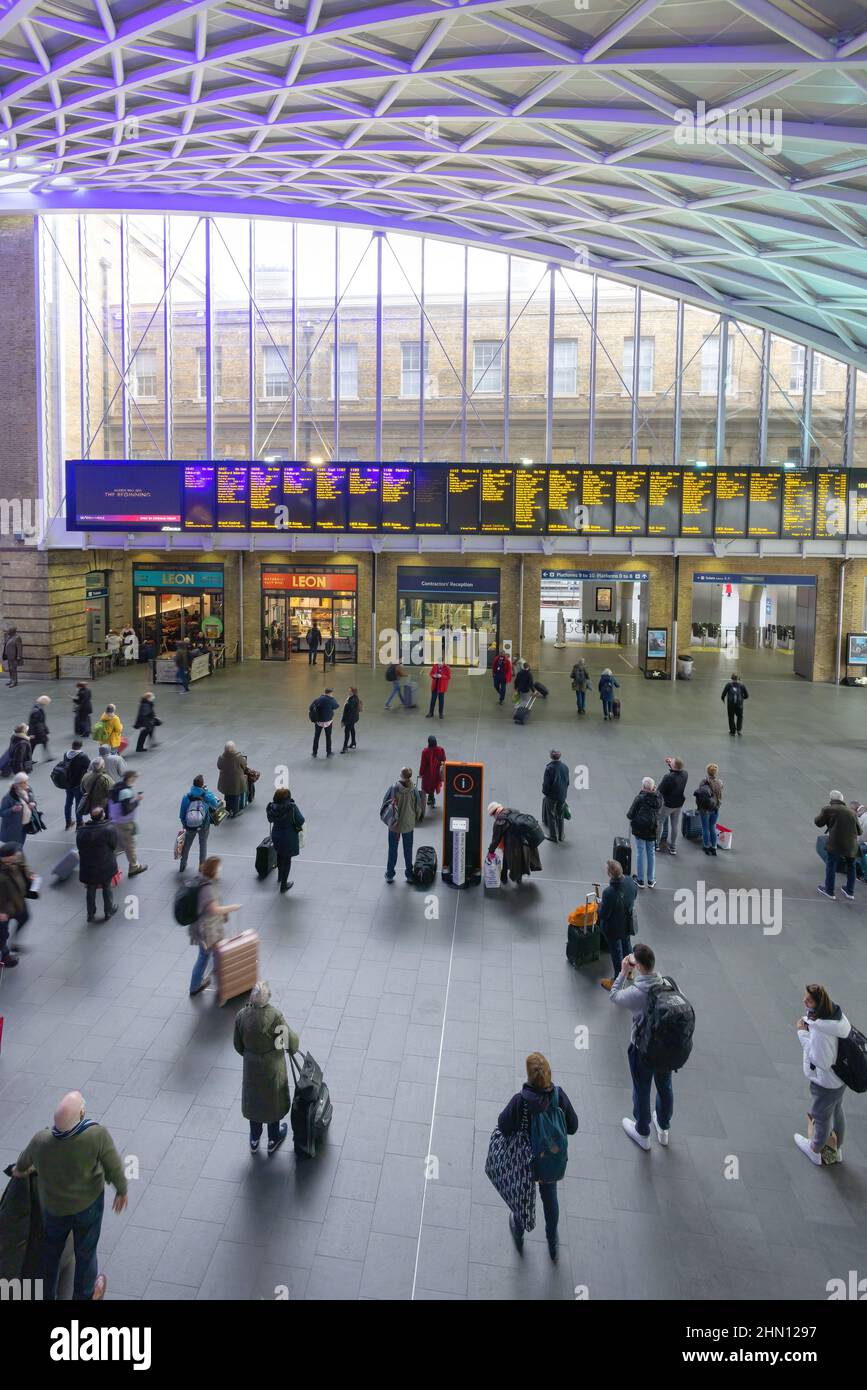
564 129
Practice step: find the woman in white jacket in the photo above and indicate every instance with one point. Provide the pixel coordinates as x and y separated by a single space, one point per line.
819 1033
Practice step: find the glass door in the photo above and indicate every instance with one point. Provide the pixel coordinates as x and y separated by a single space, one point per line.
442 622
275 646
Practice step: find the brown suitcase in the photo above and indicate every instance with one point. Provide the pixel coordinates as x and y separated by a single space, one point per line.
237 963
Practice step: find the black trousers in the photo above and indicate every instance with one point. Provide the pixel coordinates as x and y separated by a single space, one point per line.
107 898
736 717
318 735
273 1130
348 736
311 655
284 868
144 735
437 695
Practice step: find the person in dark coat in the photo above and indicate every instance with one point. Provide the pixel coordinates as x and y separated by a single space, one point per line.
555 790
523 681
286 822
519 857
841 845
617 916
350 717
325 707
608 683
16 810
38 727
82 702
232 781
734 693
20 752
96 844
146 721
13 654
433 759
182 663
95 787
534 1099
672 789
314 642
76 764
643 817
15 880
262 1038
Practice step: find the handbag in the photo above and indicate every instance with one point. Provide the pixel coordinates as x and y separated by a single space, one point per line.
509 1166
567 814
36 822
116 878
179 844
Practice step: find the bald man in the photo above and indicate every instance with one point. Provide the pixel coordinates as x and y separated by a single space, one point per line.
72 1162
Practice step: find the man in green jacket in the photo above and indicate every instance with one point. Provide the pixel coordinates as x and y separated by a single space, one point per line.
401 811
72 1162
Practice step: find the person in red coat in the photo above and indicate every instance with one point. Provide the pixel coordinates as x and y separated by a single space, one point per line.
440 675
501 670
431 769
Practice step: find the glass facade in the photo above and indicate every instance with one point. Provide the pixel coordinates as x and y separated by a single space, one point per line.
210 337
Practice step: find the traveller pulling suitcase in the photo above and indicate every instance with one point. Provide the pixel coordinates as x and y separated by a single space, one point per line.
266 858
237 965
311 1105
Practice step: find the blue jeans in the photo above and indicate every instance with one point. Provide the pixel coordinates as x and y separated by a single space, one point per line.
184 677
85 1227
607 704
394 839
617 949
551 1208
190 835
643 1077
500 687
645 850
708 828
581 700
831 863
395 690
199 968
73 797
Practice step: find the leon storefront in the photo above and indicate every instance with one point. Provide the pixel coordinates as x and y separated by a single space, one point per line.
294 599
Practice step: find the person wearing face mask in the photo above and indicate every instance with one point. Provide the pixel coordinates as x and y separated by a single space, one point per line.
207 929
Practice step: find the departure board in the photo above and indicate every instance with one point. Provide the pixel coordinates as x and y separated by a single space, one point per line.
858 502
233 487
766 495
397 499
732 491
663 502
530 501
299 490
364 499
199 497
597 499
498 493
430 499
697 505
797 505
630 502
564 502
463 514
266 495
330 499
831 489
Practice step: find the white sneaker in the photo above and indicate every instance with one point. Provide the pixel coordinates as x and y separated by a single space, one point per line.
642 1140
806 1147
651 883
661 1134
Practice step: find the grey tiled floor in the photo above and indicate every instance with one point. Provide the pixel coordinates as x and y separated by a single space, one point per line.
422 1025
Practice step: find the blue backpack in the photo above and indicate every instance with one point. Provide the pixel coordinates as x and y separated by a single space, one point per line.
549 1141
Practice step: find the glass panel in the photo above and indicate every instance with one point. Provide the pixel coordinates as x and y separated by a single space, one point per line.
357 360
316 300
654 438
272 339
401 313
615 331
171 619
785 401
103 340
187 297
274 634
146 620
61 358
573 332
146 337
698 405
828 415
743 394
859 443
230 337
444 269
528 359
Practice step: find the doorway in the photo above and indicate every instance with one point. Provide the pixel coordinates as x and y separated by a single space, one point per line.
765 622
585 611
275 627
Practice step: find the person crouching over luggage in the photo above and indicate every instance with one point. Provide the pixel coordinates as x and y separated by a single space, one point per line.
617 916
510 833
207 929
286 821
549 1112
262 1038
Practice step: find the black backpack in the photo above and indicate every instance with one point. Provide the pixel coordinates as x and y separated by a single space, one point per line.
424 870
528 828
187 904
704 797
644 821
664 1036
391 672
851 1063
58 774
313 711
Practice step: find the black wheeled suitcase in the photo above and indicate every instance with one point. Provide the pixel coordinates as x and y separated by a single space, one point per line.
690 825
622 852
540 689
583 937
311 1110
615 709
266 858
522 711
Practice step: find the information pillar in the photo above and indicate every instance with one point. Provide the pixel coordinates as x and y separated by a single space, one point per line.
463 819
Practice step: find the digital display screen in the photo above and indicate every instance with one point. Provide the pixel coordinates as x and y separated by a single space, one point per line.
597 498
697 505
564 502
199 497
797 505
498 499
831 489
233 485
430 499
464 486
732 489
299 490
397 499
265 495
858 502
766 495
119 497
663 502
530 501
330 499
364 499
630 501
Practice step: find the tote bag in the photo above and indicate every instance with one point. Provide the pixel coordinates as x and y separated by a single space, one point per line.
509 1166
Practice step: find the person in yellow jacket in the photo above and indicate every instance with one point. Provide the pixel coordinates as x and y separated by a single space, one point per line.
113 729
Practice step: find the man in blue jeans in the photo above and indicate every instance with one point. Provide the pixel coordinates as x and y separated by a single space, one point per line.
841 846
72 1162
631 990
401 811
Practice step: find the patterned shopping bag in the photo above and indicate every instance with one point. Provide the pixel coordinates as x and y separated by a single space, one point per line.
509 1166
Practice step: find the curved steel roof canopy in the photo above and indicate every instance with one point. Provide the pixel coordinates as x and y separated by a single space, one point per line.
714 149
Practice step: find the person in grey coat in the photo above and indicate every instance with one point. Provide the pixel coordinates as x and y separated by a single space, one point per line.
262 1038
555 789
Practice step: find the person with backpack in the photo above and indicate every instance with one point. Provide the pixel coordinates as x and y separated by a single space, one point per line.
519 836
501 672
67 775
123 803
262 1038
841 846
13 655
580 680
433 760
440 675
547 1112
401 811
19 754
322 715
97 843
734 693
329 652
643 817
350 717
637 988
314 642
95 787
608 683
396 675
232 782
286 820
822 1032
38 727
82 702
146 721
617 916
555 790
198 907
672 789
15 888
708 799
108 728
196 807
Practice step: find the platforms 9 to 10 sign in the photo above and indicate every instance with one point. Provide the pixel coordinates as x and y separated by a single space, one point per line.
456 500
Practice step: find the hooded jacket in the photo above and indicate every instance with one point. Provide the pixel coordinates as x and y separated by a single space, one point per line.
77 762
286 821
819 1042
632 995
537 1102
96 843
524 681
262 1036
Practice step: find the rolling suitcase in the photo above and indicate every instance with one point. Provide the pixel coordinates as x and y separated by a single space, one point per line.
311 1110
237 965
266 858
622 852
583 936
615 709
541 689
522 712
66 867
690 825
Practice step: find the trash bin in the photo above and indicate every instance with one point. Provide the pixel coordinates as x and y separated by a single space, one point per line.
684 668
